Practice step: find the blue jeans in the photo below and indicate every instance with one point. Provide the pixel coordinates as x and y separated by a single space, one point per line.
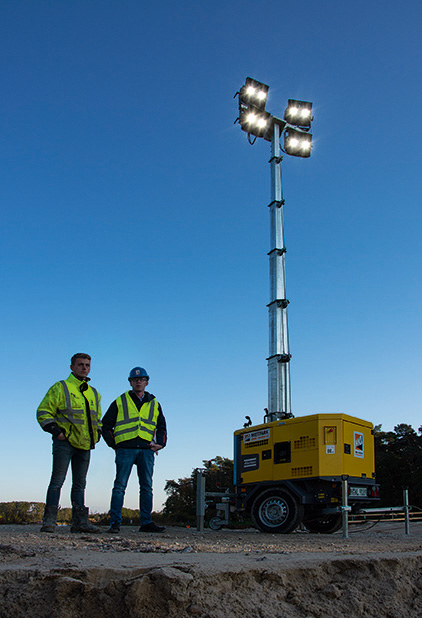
63 454
125 459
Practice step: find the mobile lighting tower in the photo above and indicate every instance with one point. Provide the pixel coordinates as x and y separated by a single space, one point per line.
295 127
312 469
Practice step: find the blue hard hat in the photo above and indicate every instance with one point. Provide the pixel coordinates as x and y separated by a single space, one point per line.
138 372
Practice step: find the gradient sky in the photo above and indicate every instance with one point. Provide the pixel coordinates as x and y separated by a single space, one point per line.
136 228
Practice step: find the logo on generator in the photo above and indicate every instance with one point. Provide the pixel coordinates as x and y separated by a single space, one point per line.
358 440
256 436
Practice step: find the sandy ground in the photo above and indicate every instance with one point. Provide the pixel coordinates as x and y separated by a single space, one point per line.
182 572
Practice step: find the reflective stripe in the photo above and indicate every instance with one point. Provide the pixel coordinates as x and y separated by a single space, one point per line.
126 418
47 421
96 397
70 412
72 421
76 413
66 394
130 429
151 411
131 422
125 408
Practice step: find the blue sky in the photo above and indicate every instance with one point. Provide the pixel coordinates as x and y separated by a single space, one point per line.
136 228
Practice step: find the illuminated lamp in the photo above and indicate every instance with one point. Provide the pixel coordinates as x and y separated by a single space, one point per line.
298 113
253 93
297 143
254 121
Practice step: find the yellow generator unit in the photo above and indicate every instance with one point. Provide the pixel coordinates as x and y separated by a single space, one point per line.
290 471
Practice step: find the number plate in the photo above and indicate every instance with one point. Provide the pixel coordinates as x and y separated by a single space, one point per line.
360 492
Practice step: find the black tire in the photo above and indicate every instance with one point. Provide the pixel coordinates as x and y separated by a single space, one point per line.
215 523
324 525
276 511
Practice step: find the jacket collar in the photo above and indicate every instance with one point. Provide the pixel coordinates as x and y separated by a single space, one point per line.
72 378
146 398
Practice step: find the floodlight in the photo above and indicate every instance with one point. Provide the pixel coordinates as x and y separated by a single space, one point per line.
298 113
254 120
253 93
297 143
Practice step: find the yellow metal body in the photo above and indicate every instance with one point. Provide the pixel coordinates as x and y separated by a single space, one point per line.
315 446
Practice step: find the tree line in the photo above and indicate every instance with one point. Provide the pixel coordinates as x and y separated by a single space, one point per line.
398 464
32 513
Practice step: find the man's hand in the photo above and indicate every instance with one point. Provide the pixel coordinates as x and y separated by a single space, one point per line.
155 447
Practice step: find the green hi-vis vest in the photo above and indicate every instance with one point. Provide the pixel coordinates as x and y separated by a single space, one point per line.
132 423
64 404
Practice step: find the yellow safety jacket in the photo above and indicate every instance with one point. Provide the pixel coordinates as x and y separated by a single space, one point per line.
65 405
133 424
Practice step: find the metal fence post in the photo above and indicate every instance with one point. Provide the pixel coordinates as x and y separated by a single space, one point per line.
345 508
406 510
200 500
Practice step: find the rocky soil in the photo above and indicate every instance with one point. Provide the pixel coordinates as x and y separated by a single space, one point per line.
182 573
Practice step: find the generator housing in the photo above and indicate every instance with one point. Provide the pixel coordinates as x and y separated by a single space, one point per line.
290 471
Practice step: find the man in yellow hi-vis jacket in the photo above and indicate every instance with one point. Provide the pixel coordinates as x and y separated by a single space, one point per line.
71 412
134 425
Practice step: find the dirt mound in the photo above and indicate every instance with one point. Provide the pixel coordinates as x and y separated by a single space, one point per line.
210 575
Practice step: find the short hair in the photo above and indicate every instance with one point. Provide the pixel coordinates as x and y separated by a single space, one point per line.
79 355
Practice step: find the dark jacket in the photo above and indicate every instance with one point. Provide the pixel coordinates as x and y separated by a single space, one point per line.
110 418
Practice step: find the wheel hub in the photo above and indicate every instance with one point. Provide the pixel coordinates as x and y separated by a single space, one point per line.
274 511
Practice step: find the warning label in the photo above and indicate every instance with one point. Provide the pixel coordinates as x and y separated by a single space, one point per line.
358 444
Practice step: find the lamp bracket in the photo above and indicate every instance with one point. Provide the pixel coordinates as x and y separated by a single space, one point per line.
277 160
281 358
277 203
281 302
278 251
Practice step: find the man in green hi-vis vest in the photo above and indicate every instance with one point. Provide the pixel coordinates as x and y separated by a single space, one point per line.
71 412
134 425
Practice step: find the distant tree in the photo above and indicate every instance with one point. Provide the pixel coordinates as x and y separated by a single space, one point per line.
219 474
130 516
180 505
64 516
21 512
398 464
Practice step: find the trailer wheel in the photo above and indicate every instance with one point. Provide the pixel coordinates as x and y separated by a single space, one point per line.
276 511
215 523
327 524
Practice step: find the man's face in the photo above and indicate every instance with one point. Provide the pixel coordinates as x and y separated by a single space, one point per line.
81 367
138 385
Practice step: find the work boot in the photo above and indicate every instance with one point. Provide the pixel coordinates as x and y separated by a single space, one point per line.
49 519
151 527
80 521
